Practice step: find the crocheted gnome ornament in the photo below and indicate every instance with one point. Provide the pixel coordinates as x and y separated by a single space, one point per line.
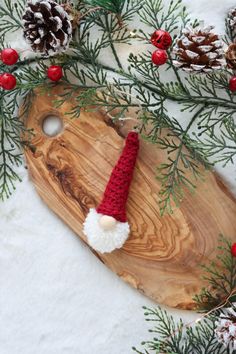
106 227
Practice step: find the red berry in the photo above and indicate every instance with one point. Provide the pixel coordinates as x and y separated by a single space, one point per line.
55 72
8 81
161 39
159 57
9 56
232 84
233 250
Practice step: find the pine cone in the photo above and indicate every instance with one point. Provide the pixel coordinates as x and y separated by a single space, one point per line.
47 27
226 328
231 23
230 56
199 50
74 15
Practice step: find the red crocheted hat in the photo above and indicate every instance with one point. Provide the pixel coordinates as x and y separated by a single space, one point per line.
117 189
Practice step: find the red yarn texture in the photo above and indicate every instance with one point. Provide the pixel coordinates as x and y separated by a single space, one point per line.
117 189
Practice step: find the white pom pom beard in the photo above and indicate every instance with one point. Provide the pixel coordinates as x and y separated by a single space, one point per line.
104 240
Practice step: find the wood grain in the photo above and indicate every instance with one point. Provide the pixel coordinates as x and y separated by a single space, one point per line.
162 255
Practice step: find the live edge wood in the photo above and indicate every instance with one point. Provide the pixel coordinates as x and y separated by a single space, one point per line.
162 255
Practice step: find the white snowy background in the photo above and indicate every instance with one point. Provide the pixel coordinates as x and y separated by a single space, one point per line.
55 296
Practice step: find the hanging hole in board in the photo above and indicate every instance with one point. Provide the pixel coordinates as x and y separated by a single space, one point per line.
52 125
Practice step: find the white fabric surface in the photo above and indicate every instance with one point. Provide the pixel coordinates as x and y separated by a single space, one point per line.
56 297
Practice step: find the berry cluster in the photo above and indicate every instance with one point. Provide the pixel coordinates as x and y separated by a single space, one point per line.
162 40
10 57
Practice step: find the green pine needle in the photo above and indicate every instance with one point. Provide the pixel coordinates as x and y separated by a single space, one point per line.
220 274
209 137
199 338
114 6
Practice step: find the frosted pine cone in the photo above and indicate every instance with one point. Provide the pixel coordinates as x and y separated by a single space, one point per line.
230 56
226 328
47 26
199 50
74 15
231 22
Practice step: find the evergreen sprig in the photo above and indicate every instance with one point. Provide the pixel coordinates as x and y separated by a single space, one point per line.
197 337
114 6
173 337
220 276
139 86
10 15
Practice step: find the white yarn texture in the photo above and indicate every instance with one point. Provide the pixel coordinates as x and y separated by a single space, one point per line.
101 240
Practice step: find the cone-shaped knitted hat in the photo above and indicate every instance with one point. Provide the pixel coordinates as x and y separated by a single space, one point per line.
117 189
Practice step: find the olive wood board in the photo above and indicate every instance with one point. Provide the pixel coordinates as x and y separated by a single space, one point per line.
161 258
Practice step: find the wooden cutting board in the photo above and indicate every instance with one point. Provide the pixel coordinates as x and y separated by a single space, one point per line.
162 255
